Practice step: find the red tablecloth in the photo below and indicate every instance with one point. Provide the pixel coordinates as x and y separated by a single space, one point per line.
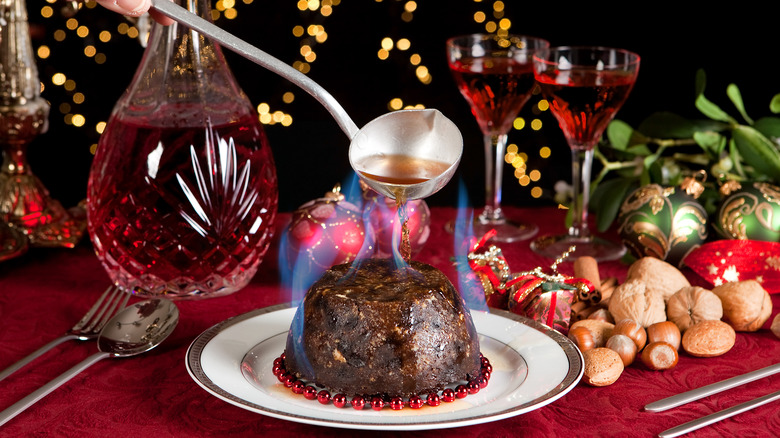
47 290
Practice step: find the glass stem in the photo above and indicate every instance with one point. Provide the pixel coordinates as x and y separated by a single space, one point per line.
495 148
581 164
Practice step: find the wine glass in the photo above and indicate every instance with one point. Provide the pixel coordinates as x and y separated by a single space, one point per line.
585 86
495 75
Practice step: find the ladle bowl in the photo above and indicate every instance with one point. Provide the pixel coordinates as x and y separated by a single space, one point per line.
425 135
136 329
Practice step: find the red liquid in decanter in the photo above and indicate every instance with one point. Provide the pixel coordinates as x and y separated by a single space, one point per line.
179 208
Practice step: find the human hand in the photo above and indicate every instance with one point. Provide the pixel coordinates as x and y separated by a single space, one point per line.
135 8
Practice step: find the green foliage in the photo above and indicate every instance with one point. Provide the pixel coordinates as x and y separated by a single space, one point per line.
665 148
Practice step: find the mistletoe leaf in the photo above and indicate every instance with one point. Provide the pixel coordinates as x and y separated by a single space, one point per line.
757 151
607 199
712 142
769 126
707 107
774 104
621 135
732 91
665 124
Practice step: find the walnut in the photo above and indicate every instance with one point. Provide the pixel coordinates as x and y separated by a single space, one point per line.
692 304
634 299
661 277
746 304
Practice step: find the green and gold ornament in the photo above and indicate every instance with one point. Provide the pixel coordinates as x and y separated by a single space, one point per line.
749 211
664 222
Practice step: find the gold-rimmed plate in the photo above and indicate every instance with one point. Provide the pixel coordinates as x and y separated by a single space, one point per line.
532 367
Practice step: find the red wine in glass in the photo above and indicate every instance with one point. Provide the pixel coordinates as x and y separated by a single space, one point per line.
586 102
180 209
496 89
495 75
585 87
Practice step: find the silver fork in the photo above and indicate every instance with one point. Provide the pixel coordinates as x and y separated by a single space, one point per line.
110 302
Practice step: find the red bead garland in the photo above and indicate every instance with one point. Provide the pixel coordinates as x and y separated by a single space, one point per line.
323 396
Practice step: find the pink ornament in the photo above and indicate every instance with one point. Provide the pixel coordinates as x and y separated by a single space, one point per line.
325 232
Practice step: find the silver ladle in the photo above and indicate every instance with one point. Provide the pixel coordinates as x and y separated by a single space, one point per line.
135 330
420 134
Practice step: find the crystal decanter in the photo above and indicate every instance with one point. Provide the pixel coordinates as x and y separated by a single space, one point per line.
182 193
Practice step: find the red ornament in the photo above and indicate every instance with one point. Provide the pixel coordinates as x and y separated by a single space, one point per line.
377 403
415 402
396 403
325 232
383 217
723 261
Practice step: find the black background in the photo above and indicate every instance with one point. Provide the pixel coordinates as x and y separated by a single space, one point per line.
732 44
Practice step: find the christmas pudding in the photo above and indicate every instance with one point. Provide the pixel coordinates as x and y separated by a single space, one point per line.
372 329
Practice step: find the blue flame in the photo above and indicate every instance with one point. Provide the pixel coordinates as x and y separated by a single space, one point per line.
463 234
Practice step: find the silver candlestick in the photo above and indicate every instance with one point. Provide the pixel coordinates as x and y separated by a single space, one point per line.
25 204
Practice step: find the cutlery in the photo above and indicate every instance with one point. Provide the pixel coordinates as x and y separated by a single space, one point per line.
704 391
136 329
110 302
720 415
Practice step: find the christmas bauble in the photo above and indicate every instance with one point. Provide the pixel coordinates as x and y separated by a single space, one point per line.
384 219
325 232
749 211
663 222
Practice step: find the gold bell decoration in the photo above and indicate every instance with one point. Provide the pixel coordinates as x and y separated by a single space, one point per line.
26 207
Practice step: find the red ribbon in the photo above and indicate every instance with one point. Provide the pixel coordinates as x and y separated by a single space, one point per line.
724 261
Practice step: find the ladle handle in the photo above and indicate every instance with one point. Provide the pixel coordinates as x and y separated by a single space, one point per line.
230 41
16 408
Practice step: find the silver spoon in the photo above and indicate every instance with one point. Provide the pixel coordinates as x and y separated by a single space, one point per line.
136 329
425 133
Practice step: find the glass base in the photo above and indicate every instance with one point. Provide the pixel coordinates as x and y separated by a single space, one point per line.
506 231
555 247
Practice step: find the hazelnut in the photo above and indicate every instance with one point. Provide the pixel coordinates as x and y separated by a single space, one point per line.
776 325
582 338
634 299
659 356
633 330
600 330
708 338
664 331
692 304
602 315
602 367
624 347
746 304
661 277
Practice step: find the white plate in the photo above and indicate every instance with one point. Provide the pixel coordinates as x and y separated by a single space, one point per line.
532 367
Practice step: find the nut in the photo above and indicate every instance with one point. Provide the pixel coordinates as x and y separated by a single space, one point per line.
746 304
664 331
633 330
602 315
776 325
708 338
659 356
602 367
661 277
624 347
692 304
635 300
600 330
582 338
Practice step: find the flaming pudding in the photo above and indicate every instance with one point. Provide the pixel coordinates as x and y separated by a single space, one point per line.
374 329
